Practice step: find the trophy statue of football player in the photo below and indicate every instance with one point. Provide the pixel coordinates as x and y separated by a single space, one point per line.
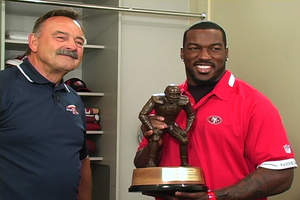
167 105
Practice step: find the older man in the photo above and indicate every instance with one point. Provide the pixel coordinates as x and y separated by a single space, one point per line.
42 133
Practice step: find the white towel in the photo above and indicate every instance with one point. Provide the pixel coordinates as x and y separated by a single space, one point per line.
17 35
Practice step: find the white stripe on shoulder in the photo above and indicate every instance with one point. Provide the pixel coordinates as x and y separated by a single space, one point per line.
67 88
279 164
231 80
21 70
14 62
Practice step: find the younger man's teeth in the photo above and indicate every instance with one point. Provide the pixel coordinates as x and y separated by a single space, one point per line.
203 66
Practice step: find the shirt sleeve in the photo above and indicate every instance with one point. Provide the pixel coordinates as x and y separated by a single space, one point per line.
84 150
267 142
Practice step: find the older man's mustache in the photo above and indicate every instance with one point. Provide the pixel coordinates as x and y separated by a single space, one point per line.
66 52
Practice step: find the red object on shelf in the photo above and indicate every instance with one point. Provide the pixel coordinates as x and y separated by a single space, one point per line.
91 146
93 126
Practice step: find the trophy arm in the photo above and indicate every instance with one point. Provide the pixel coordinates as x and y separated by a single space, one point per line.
144 114
190 116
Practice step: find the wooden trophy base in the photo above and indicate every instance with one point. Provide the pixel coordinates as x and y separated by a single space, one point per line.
167 180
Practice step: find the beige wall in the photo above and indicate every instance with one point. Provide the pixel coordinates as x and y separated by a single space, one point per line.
198 6
264 47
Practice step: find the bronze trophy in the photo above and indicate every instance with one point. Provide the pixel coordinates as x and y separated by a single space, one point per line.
156 180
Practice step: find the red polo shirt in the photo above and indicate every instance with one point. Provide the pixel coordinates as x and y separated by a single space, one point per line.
236 130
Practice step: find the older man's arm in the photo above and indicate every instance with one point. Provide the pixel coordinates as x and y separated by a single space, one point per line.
85 186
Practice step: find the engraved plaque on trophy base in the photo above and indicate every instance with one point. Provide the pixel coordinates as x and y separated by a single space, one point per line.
167 180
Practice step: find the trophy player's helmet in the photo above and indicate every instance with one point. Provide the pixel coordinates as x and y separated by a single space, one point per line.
172 92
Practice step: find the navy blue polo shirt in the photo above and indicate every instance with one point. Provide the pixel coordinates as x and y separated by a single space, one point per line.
42 137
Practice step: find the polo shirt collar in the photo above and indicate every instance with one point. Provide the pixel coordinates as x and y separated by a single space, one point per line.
33 76
223 88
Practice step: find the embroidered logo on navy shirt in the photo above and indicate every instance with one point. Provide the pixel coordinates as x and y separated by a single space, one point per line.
214 119
73 109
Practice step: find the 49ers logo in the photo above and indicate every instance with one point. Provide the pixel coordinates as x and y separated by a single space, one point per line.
214 119
73 109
